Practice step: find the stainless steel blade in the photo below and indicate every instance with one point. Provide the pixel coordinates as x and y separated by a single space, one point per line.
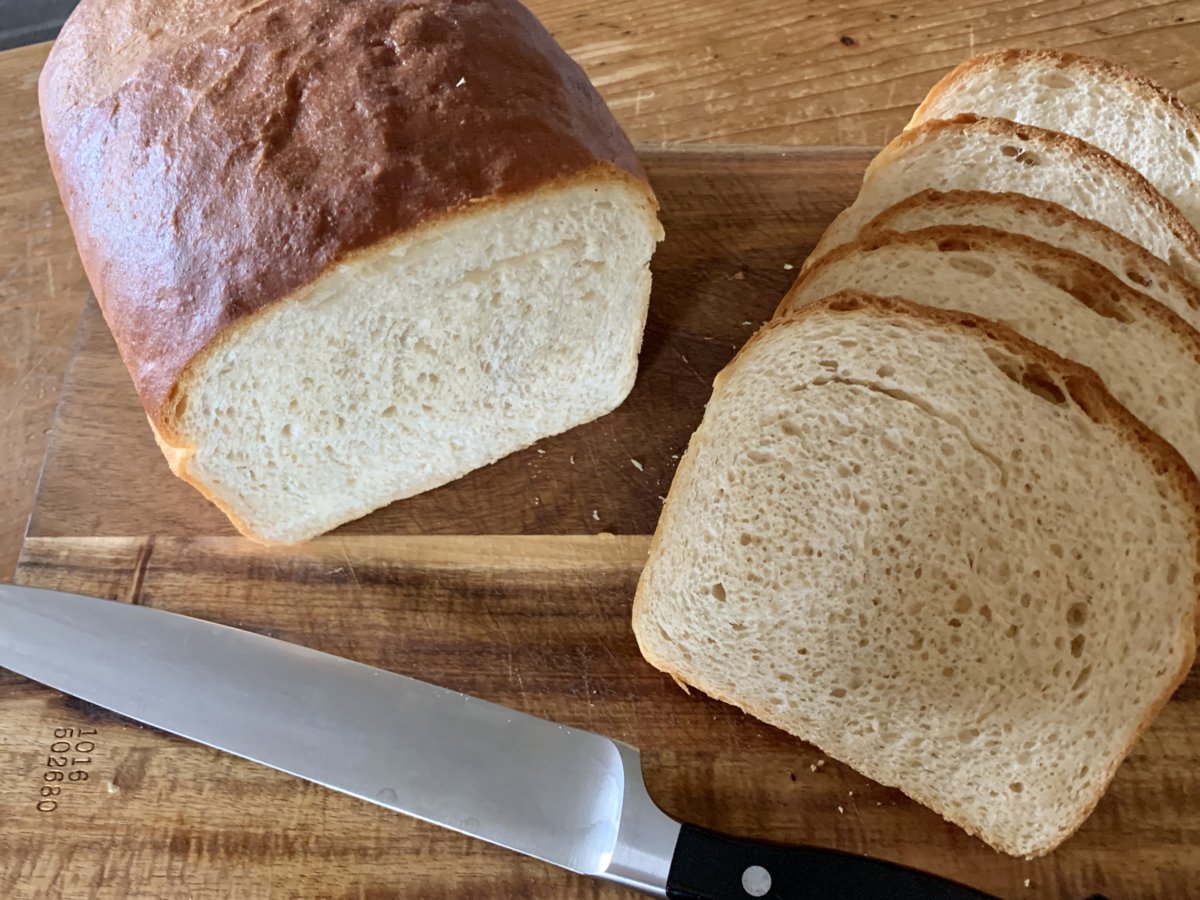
566 796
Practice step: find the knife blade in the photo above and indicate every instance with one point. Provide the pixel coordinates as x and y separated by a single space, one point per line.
562 795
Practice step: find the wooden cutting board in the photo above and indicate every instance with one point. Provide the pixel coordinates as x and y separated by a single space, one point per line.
513 584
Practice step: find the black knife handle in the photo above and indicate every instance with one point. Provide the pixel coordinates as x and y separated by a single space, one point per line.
712 866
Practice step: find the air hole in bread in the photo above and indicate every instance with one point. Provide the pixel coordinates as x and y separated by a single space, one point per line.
1138 277
1176 261
1172 573
830 364
389 412
1081 679
718 591
176 402
1098 298
847 303
1077 643
1188 157
966 735
1016 787
1076 614
1037 381
1010 151
885 371
1057 81
973 266
1083 394
1032 377
953 245
963 604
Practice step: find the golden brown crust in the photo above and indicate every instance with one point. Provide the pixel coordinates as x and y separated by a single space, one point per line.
1138 85
1086 390
1044 212
214 160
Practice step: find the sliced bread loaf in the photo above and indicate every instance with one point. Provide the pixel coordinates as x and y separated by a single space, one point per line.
935 550
1148 356
348 251
1052 224
1128 115
970 153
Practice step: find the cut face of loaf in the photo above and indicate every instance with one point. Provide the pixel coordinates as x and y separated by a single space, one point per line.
973 154
1126 115
1148 357
936 551
1052 224
416 362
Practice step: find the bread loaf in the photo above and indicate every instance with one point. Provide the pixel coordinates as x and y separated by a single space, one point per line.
1052 224
1148 357
349 250
1127 115
935 550
974 154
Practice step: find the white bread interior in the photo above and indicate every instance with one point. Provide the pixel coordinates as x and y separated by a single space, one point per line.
948 560
414 362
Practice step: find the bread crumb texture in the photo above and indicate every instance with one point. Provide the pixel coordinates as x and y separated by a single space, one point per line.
943 556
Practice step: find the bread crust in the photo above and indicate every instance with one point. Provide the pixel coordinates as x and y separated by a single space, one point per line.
213 161
1140 86
1084 387
1089 273
1055 214
1080 151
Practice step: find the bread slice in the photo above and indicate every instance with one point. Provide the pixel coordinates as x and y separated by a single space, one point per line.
1148 356
935 550
1052 224
1129 116
413 364
974 154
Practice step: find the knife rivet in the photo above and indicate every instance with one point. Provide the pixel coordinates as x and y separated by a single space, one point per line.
756 881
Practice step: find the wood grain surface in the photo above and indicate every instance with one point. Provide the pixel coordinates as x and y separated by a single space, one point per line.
513 584
779 72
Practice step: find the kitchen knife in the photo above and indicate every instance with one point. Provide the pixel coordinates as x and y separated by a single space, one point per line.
562 795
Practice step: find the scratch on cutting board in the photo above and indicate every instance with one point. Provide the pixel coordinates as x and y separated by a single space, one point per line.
139 571
679 353
349 564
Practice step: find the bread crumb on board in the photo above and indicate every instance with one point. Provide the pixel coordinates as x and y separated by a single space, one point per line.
787 267
637 465
596 514
817 766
